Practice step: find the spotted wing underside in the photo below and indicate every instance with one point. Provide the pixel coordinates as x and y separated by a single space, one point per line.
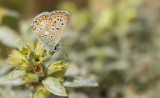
49 27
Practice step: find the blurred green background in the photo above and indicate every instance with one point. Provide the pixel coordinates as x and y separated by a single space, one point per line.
116 43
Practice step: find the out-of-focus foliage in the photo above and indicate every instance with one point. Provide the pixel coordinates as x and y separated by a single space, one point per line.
116 42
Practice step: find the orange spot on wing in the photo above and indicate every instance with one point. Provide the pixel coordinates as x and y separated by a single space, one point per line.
61 15
46 18
54 16
36 23
52 24
34 27
42 18
49 21
39 20
57 15
65 17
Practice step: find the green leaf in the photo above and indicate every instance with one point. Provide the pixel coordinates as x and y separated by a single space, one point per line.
80 82
42 93
27 66
30 77
45 58
24 51
17 54
54 86
57 69
38 59
16 58
15 74
30 45
39 50
20 44
15 61
30 55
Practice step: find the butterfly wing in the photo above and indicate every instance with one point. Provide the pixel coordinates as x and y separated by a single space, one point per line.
42 27
49 27
60 19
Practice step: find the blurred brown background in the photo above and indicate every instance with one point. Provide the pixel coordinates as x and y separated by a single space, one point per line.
116 43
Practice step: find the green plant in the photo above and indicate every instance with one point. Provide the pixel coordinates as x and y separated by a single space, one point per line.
44 80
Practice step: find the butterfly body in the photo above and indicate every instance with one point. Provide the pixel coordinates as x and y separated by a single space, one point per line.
49 27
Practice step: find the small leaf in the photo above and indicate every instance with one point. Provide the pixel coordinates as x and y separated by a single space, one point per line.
24 51
30 77
80 82
16 58
27 66
20 44
30 45
54 86
15 74
39 50
45 58
42 93
15 61
57 69
58 63
17 54
38 59
30 55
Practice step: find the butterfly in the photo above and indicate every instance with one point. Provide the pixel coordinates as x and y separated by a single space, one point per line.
49 27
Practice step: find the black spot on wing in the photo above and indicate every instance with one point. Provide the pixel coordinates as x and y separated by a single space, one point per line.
57 28
51 36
